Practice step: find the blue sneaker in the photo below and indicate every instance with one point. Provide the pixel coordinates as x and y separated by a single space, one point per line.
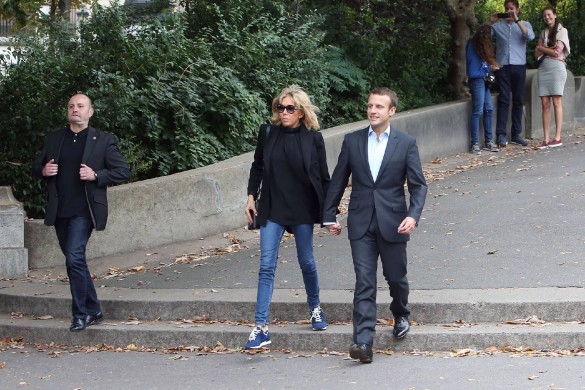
318 320
502 141
257 339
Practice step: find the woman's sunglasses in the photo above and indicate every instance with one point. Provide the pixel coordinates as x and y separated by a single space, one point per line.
290 108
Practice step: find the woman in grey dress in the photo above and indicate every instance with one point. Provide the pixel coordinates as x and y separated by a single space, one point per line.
552 50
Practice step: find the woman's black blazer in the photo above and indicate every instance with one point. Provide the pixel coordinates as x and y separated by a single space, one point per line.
314 161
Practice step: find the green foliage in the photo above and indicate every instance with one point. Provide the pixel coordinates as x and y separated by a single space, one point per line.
21 11
170 104
269 47
384 39
177 97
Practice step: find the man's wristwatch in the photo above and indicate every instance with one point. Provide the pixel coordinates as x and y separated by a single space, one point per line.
95 175
518 21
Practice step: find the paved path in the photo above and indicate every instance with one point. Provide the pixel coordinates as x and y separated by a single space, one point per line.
513 220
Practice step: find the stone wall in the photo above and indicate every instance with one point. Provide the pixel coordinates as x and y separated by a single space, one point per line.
13 254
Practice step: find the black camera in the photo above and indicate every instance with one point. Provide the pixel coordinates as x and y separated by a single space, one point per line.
503 15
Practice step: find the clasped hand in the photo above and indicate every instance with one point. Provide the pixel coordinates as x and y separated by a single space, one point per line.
334 229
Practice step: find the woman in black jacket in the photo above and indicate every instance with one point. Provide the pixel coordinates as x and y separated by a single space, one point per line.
290 176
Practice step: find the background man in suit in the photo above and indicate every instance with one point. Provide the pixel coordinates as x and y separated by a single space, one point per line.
380 159
77 163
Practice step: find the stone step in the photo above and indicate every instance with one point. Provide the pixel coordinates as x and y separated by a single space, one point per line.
427 306
296 337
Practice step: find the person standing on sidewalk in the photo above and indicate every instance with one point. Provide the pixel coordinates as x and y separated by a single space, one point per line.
511 36
380 160
552 48
290 173
77 164
481 62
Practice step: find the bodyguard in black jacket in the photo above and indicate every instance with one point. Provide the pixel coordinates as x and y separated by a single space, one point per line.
78 163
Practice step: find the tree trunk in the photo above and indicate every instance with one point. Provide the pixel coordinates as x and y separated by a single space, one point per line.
461 15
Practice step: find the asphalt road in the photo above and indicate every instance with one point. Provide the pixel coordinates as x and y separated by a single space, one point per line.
29 368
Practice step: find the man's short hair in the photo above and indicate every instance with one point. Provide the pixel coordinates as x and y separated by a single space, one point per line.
387 92
515 2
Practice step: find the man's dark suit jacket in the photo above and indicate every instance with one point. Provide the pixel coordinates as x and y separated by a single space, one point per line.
314 161
100 154
401 162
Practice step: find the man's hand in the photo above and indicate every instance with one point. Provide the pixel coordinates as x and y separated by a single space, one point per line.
492 19
407 226
86 173
334 229
50 168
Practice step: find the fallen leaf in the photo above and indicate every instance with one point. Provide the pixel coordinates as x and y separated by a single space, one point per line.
532 320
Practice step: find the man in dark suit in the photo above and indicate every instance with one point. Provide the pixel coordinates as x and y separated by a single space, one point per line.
380 159
78 163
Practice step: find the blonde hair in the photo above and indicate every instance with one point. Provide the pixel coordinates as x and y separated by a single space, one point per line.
302 101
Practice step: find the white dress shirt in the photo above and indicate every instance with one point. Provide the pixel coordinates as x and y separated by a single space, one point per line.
376 149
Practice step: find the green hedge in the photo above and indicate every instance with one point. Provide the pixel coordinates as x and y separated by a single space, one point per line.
175 98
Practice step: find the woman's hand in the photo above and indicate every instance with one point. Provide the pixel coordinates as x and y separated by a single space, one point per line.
250 209
540 50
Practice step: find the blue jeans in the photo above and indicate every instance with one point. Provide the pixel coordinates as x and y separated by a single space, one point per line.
270 236
511 80
73 234
481 101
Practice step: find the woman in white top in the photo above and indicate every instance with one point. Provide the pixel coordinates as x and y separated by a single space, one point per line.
552 51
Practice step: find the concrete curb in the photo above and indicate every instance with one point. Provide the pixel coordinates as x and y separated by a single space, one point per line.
548 336
427 306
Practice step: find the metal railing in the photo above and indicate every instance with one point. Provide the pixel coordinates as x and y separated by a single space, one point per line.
5 27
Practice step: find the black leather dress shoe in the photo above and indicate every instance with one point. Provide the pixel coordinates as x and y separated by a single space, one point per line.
93 319
77 325
363 352
401 327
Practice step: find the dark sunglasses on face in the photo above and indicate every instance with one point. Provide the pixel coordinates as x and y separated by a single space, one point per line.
290 108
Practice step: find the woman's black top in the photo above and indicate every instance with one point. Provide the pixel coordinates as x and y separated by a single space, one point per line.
292 198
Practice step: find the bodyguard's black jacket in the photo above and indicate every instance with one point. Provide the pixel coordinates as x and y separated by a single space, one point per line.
100 154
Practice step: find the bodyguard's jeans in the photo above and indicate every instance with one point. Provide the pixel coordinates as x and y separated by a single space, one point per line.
481 101
270 236
510 79
73 234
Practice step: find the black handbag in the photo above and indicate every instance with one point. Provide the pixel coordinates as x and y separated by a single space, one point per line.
255 225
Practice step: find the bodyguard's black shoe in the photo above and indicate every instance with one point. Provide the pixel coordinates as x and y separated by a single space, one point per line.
363 352
401 327
77 325
93 319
